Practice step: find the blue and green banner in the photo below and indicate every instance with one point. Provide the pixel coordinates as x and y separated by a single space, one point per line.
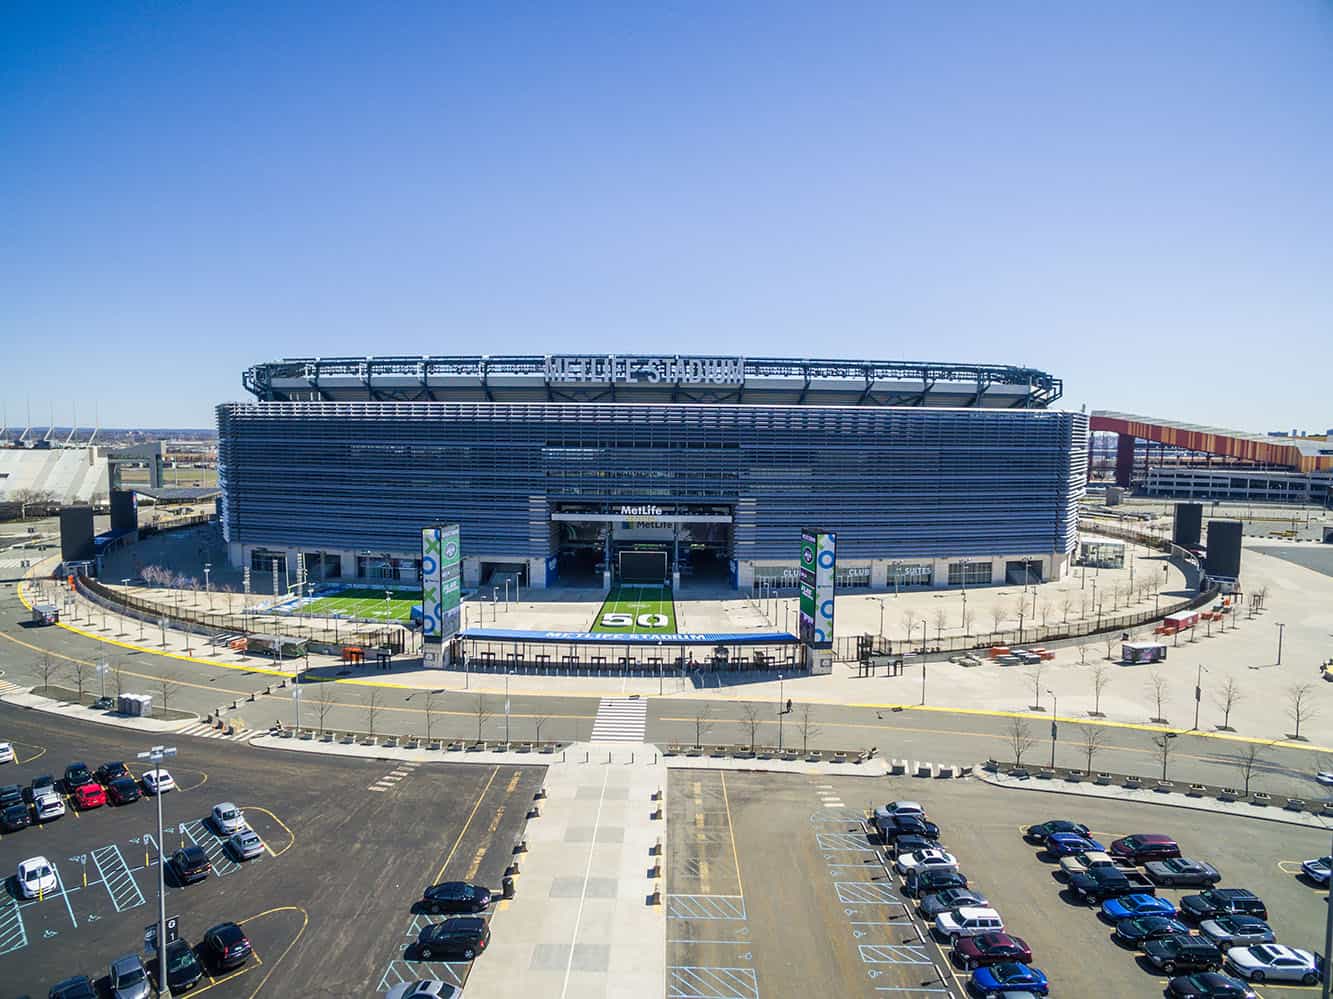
441 582
815 580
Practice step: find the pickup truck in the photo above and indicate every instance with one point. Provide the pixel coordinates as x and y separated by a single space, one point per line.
1095 886
1089 859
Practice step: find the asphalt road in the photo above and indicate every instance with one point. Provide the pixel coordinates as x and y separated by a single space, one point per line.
454 713
328 907
775 888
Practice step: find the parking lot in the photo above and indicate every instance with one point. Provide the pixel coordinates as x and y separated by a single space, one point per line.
349 844
775 888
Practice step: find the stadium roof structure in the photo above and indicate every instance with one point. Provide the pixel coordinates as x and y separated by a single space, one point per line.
178 494
631 378
1297 453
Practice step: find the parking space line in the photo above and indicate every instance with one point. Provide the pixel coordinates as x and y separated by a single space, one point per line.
865 893
706 907
65 895
694 982
843 842
13 934
117 878
893 954
211 845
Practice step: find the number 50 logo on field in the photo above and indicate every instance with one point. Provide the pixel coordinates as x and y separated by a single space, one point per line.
629 620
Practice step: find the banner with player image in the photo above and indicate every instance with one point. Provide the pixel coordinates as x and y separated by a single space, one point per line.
816 582
441 582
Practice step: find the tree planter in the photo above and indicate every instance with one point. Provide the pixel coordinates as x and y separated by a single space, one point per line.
1261 798
1133 783
1164 787
1045 774
1295 804
1074 776
548 748
1104 779
1196 791
1228 794
694 751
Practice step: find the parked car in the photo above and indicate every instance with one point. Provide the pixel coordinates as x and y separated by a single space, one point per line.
36 877
1089 859
903 808
227 946
1223 902
925 860
78 987
227 818
890 826
465 936
122 790
1138 931
183 969
911 842
44 783
1209 985
1317 870
950 898
971 953
14 817
47 806
455 898
1095 885
108 772
1039 832
1181 872
1237 931
1274 963
1133 906
6 753
245 845
76 775
190 865
1183 952
10 794
920 883
158 781
86 796
128 978
969 921
1010 978
1069 844
1144 847
424 989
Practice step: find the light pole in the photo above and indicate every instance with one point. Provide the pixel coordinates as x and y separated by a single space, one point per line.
507 672
1198 692
101 674
506 593
1055 712
1280 628
1328 942
660 668
880 601
780 703
155 756
296 703
387 595
208 567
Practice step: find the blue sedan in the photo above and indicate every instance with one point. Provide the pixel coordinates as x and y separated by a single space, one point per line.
1003 979
1133 906
1068 844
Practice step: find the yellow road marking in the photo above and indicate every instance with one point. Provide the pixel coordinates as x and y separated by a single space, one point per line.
462 832
291 835
305 921
731 830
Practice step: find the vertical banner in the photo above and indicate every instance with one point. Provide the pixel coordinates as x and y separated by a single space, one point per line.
440 582
806 582
815 579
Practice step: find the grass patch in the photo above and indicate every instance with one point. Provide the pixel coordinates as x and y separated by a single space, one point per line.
630 610
366 603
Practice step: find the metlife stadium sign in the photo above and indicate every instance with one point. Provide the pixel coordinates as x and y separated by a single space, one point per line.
647 370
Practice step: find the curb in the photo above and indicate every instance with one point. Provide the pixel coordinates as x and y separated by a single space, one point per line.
35 702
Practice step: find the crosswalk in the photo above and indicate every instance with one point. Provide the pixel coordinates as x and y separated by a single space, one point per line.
620 719
204 731
9 688
390 779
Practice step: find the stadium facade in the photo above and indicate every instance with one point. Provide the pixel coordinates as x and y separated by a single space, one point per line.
930 474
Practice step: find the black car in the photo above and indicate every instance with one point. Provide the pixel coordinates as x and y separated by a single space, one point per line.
38 783
1223 902
183 969
456 898
463 935
10 794
78 987
76 775
104 704
1039 832
190 865
1209 985
911 842
892 826
108 772
1182 952
1137 932
227 946
123 790
15 817
1098 884
919 884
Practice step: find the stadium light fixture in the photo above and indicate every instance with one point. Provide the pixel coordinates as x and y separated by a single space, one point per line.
155 756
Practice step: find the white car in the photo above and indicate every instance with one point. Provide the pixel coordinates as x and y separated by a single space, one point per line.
245 845
227 818
36 877
158 781
903 808
925 860
46 805
6 753
1273 963
1317 870
1325 777
969 921
425 989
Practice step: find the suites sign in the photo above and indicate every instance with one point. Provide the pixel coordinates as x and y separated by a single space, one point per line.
646 370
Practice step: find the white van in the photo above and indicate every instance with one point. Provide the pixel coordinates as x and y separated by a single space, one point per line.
969 921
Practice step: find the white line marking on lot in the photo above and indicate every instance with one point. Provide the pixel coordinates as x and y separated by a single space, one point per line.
65 895
587 875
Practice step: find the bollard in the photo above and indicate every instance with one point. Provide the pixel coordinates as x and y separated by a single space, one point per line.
654 759
235 705
251 697
608 757
656 870
657 814
657 795
512 869
656 849
521 846
656 897
507 887
534 812
585 757
541 793
631 756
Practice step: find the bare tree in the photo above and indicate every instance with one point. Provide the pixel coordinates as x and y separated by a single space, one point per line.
168 689
702 723
998 612
1065 606
80 678
1044 609
1020 739
750 716
482 713
1248 762
1109 640
323 704
1034 678
909 623
1083 653
537 724
1092 740
1165 743
968 617
941 619
808 729
1300 706
46 668
430 713
118 679
1227 698
1101 679
1156 687
373 709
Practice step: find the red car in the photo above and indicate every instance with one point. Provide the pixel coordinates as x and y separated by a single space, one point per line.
1144 847
123 790
991 948
88 796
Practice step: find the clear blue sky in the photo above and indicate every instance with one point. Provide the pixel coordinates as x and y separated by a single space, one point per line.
1136 196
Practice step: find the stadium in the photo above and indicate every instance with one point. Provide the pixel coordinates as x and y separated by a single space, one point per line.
610 470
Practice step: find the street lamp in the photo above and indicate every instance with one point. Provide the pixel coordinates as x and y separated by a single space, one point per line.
1198 692
155 756
1055 711
507 672
659 667
208 567
1280 628
780 702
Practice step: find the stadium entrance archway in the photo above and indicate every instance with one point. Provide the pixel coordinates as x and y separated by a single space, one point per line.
692 540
